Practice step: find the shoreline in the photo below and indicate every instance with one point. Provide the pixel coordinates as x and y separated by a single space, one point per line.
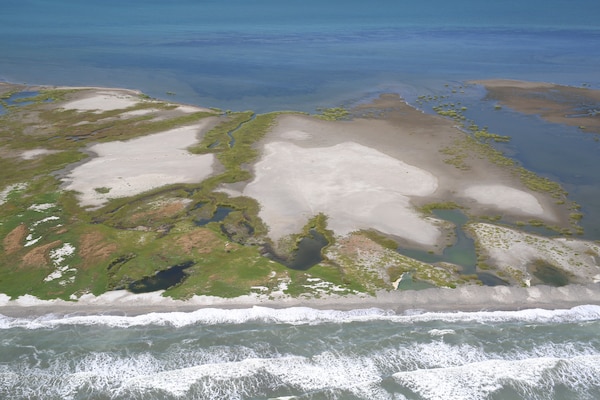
434 300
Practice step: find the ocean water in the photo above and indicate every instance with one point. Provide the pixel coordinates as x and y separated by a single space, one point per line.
302 353
270 55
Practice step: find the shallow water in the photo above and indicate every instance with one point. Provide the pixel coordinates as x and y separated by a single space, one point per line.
461 252
561 153
309 250
219 215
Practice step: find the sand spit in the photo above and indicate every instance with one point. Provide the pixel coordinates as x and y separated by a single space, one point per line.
375 173
506 198
122 169
501 83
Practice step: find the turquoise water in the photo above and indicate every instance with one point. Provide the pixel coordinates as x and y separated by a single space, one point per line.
292 54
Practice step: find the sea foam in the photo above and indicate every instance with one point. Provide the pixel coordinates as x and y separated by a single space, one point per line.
301 315
435 370
531 378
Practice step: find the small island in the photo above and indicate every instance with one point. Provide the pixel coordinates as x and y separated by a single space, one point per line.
106 190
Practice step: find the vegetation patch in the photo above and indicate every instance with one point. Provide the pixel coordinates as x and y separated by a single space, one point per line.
447 205
333 114
102 190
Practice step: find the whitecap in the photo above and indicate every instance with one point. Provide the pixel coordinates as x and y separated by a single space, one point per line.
306 315
532 378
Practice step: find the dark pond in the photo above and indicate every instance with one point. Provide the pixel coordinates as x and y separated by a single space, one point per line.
162 280
219 215
490 279
549 275
309 251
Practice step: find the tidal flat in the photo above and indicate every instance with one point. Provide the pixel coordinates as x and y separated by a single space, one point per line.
108 189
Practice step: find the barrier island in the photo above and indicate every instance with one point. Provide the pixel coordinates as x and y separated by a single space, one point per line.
108 189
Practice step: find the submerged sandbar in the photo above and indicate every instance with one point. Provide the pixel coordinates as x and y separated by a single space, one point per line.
568 105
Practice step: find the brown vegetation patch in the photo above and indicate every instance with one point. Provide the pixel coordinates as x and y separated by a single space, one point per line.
199 240
351 245
13 242
61 230
93 247
166 210
38 257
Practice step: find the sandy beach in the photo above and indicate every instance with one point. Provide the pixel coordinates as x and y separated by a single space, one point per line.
466 299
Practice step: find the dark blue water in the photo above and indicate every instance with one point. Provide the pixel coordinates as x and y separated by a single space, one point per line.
271 55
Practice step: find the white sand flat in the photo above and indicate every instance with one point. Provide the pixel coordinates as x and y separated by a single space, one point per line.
103 101
357 187
134 166
506 198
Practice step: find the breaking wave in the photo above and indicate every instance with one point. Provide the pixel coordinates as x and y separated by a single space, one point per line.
301 315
